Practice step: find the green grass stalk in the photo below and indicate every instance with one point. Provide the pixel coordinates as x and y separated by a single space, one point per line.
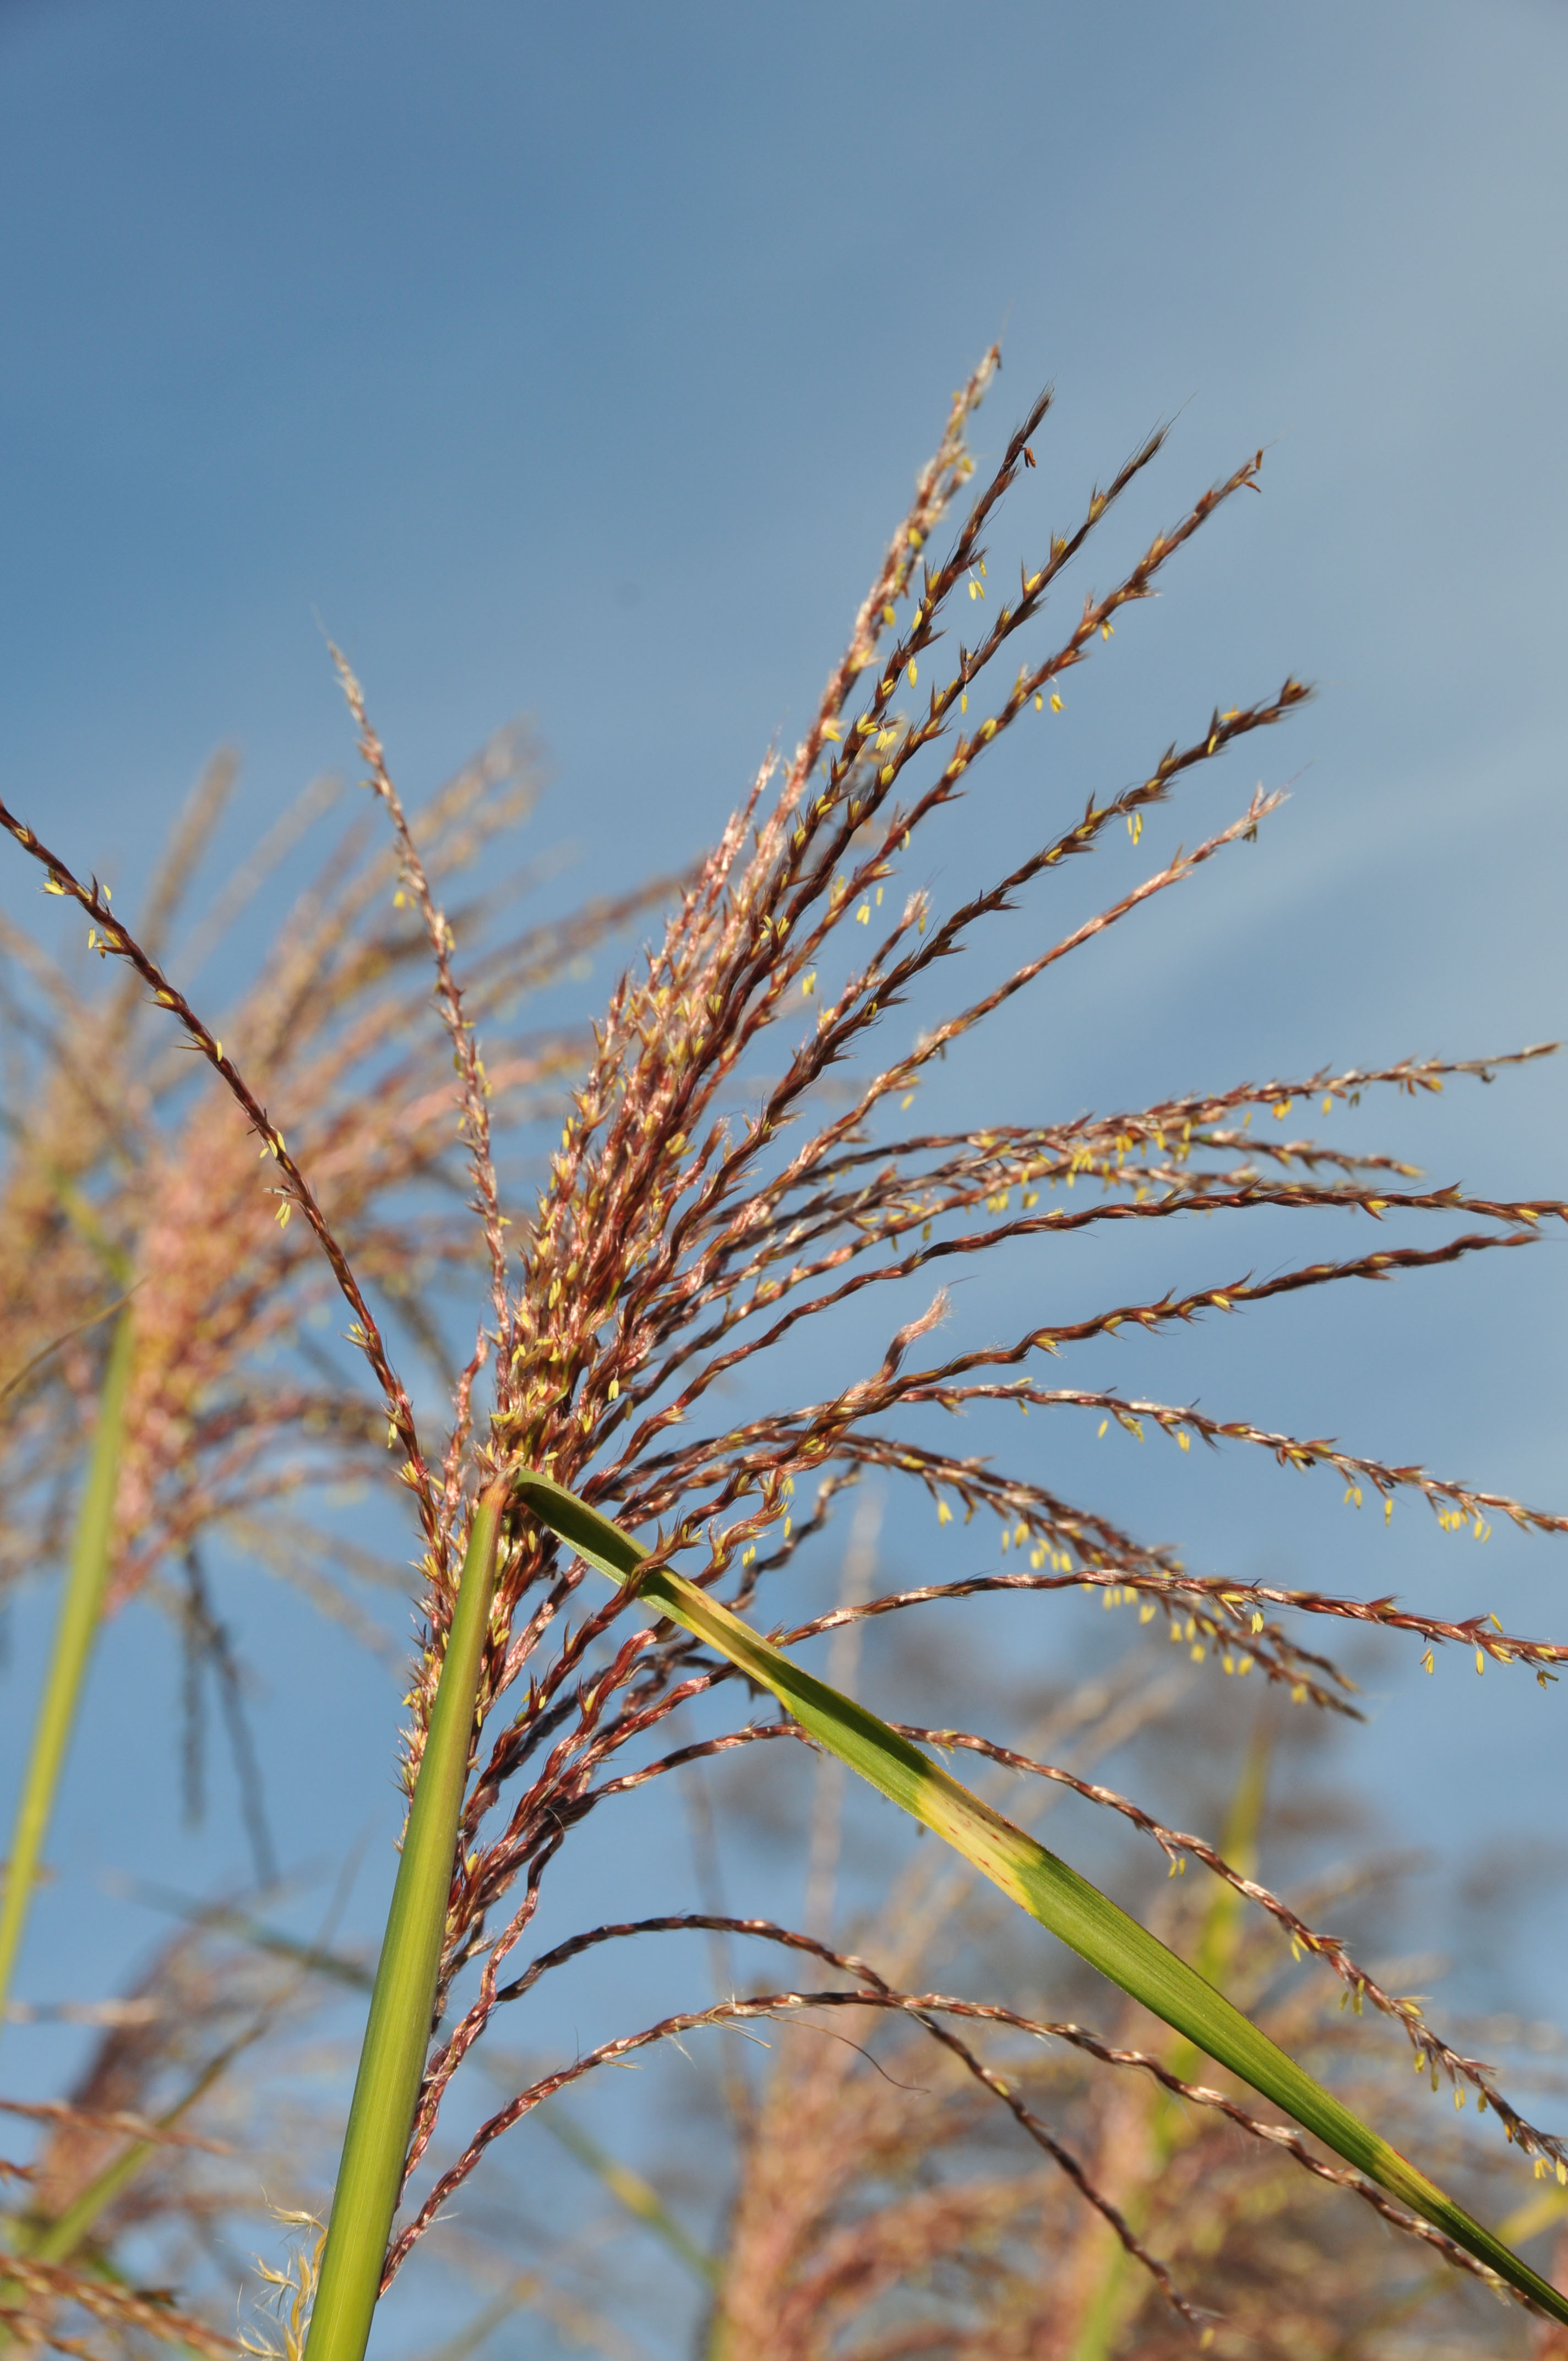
1046 1886
524 2290
397 2037
638 2196
81 1606
57 2241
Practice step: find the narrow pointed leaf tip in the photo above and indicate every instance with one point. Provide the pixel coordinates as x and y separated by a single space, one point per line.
1046 1887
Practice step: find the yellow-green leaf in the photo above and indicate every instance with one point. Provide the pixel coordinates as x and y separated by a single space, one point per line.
1041 1883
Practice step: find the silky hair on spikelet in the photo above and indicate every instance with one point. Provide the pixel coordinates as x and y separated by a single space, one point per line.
291 2290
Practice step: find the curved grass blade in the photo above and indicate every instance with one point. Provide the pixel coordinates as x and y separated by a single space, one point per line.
1046 1887
380 2118
80 1603
93 1319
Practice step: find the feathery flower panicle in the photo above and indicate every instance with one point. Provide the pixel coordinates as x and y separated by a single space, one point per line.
677 1245
119 1175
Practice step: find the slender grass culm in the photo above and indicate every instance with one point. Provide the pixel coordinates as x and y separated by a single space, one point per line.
391 2062
673 1248
80 1607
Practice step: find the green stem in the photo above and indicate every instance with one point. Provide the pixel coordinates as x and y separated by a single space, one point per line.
638 2196
80 1604
375 2145
57 2241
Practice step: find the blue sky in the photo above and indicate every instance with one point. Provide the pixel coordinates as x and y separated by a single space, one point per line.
578 361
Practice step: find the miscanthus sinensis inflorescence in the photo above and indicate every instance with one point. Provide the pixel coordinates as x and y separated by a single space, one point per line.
116 1175
674 1247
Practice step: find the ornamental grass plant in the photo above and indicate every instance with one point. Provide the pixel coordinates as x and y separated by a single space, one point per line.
741 1166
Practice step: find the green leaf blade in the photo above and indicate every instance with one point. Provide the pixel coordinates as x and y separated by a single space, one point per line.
1052 1891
